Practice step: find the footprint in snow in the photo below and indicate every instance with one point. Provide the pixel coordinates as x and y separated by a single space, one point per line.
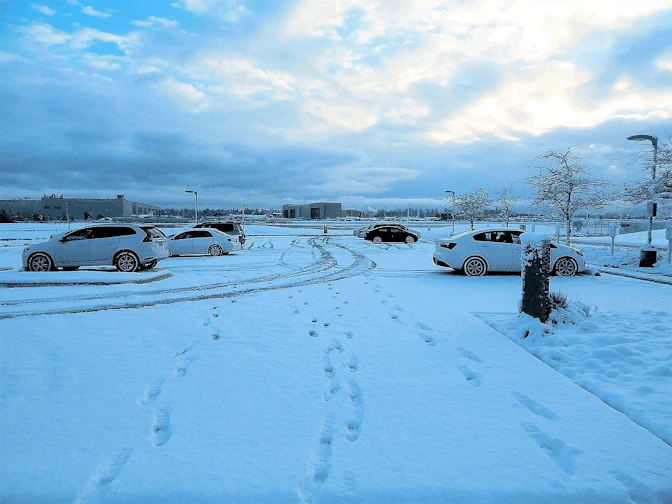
161 426
353 363
104 474
334 345
328 367
182 366
560 452
534 406
422 326
472 377
214 333
151 392
470 355
312 334
428 339
332 389
349 334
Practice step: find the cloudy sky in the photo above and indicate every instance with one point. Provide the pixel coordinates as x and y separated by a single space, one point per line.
371 102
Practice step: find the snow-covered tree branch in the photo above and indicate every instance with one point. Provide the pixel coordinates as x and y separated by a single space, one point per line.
506 202
473 205
563 186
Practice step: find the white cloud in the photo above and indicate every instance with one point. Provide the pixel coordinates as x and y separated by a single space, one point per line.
80 39
102 62
46 34
153 20
408 112
229 10
186 94
47 11
90 11
539 101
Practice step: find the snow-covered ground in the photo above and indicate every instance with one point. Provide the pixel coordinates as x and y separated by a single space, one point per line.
310 368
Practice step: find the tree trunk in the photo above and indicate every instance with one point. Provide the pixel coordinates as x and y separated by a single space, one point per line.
569 231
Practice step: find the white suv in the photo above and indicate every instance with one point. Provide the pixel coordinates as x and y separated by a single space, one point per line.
127 246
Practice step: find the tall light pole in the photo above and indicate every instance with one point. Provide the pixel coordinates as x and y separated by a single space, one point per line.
654 141
243 219
67 216
452 214
195 194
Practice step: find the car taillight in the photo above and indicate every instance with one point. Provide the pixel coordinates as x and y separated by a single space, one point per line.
449 246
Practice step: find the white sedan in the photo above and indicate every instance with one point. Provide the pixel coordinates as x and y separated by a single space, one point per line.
498 250
202 241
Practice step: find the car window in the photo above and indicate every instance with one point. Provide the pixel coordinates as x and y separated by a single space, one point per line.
201 234
395 230
109 232
181 236
153 232
515 238
482 237
502 237
81 234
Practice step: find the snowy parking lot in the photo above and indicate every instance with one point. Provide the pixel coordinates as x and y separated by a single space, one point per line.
317 368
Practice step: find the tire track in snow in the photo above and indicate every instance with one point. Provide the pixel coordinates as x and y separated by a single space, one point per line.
319 272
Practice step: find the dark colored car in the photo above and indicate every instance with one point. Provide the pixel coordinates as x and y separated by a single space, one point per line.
230 228
391 234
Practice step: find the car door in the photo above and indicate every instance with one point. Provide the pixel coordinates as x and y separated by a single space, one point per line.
201 240
517 248
493 247
383 232
181 244
73 248
104 243
397 235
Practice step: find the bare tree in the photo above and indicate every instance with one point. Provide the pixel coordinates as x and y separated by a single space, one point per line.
563 186
506 202
473 205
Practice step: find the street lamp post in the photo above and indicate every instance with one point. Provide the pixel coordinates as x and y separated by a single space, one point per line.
195 194
452 214
654 141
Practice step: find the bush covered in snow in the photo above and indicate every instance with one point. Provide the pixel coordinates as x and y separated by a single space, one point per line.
563 312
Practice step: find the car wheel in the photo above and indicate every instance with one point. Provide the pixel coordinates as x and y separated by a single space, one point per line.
127 262
215 250
40 262
70 268
475 266
409 239
377 240
566 267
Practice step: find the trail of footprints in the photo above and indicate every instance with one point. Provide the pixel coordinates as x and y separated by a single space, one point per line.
339 368
559 452
160 428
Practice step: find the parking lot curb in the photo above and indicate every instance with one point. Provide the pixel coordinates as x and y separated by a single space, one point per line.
162 276
647 277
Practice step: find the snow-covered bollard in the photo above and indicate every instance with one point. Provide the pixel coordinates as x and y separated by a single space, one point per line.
536 265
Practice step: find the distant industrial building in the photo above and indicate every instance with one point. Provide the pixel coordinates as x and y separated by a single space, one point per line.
313 211
57 207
